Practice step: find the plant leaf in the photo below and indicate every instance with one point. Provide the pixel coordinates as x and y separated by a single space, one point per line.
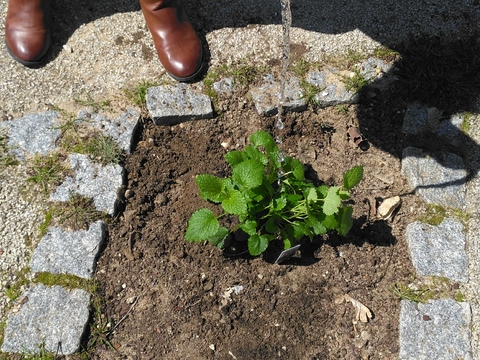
254 153
352 177
248 174
322 191
234 203
263 138
345 220
201 226
271 224
279 203
294 198
330 222
297 170
250 227
316 224
312 194
344 195
257 244
332 201
210 187
219 238
235 157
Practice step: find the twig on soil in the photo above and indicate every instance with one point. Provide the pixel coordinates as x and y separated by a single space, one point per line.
195 303
125 316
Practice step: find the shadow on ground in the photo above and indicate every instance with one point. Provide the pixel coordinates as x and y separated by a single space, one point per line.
435 74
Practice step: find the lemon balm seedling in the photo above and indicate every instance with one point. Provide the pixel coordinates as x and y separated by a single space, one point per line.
269 194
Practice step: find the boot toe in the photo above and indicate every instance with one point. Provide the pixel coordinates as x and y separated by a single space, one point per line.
185 69
26 48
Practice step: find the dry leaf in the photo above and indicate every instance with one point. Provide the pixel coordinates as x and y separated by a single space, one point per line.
363 313
388 206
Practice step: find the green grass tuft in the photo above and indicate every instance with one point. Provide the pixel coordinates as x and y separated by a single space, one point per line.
138 94
5 157
47 171
76 214
96 106
404 292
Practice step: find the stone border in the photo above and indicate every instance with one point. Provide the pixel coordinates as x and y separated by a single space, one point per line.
446 324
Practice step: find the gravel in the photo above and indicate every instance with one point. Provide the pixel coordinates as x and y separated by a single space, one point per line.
21 213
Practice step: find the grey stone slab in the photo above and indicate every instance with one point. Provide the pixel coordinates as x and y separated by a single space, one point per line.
334 91
440 181
375 69
419 119
51 317
266 97
92 180
32 134
415 120
439 330
438 250
224 86
172 104
64 252
121 129
451 130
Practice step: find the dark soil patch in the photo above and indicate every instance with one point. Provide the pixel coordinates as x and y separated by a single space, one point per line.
171 294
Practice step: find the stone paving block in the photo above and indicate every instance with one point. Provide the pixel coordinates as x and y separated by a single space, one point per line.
439 330
415 120
437 181
375 69
121 129
32 134
451 130
438 250
420 119
172 104
334 91
92 180
51 317
64 252
224 86
267 96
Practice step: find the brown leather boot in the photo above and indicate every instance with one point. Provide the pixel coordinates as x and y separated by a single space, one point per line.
178 46
27 31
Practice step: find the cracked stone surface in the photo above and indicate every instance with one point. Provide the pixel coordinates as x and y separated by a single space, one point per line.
52 316
334 91
121 129
64 252
32 134
92 180
172 104
439 181
438 250
267 96
439 329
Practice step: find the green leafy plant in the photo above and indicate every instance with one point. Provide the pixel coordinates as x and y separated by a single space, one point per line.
272 199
